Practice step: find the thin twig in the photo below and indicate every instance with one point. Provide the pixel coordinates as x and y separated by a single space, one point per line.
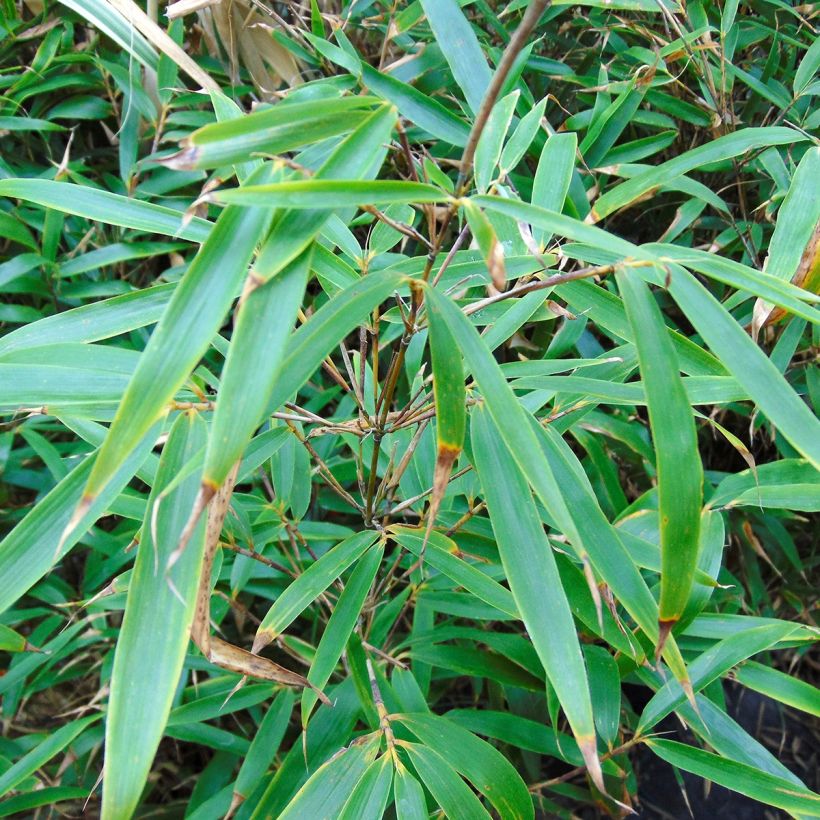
517 42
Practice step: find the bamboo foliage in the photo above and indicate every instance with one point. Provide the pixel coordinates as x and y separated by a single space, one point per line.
412 393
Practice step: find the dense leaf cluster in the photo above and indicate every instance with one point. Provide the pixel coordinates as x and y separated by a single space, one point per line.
405 408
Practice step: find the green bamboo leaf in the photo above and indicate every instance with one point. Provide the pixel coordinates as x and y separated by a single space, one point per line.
748 780
451 398
484 766
443 555
605 691
491 249
472 661
451 793
524 733
729 739
114 253
210 707
264 746
488 149
408 795
330 786
696 389
522 137
11 641
28 124
155 631
798 221
775 684
553 222
109 21
183 334
34 546
748 364
526 556
553 176
460 48
731 145
710 665
345 615
727 18
310 584
317 193
763 285
51 745
36 385
90 323
607 310
344 57
424 111
740 489
274 130
103 206
807 69
48 796
264 320
369 799
680 473
611 124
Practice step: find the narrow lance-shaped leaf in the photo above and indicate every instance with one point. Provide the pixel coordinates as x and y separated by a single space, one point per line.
190 321
460 47
451 412
522 137
442 554
773 683
369 798
264 746
408 795
711 664
89 323
155 631
309 194
273 130
109 21
553 177
345 615
732 145
533 577
794 249
424 111
310 584
491 249
748 364
264 320
51 745
740 777
679 470
12 641
105 207
488 149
